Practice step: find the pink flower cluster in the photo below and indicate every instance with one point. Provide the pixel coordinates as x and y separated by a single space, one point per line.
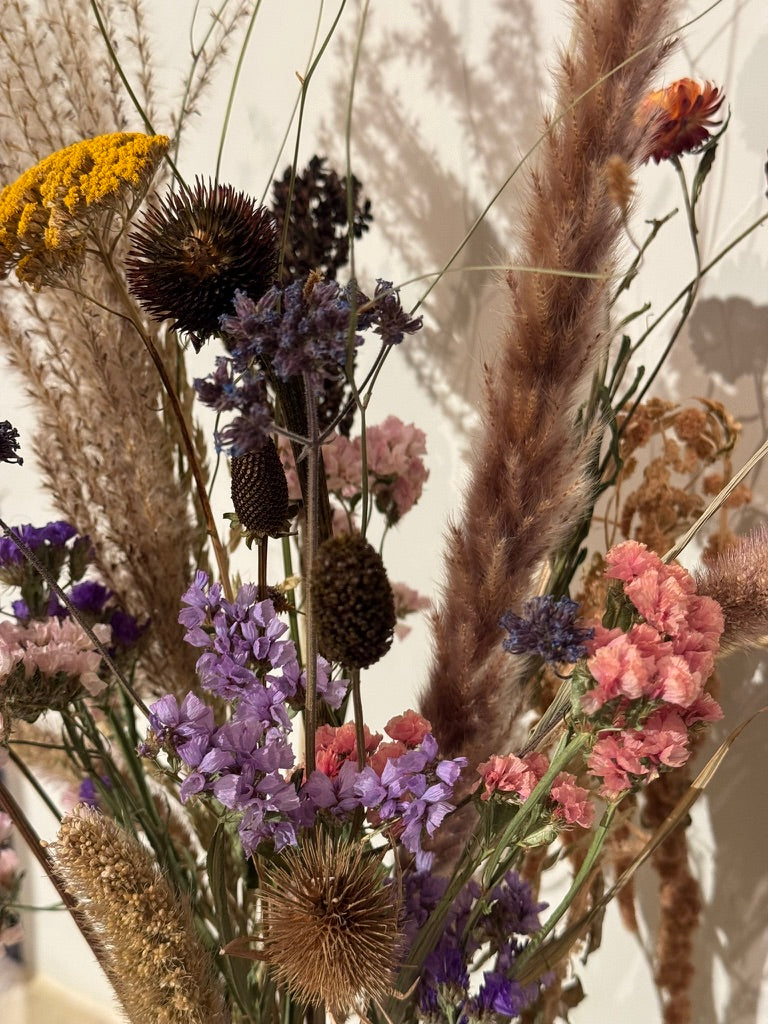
407 602
519 776
335 746
52 646
396 471
654 673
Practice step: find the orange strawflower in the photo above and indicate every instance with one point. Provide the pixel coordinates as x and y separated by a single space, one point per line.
679 118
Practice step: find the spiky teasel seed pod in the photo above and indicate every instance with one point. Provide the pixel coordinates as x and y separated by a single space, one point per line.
153 956
330 924
353 602
260 491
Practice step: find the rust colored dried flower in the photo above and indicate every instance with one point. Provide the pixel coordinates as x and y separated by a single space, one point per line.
46 213
680 118
260 491
194 250
353 601
331 925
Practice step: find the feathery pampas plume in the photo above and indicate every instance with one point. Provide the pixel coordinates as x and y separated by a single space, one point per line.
529 473
738 581
153 956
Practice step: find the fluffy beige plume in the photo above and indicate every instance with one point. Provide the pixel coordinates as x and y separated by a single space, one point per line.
529 472
738 581
107 457
153 956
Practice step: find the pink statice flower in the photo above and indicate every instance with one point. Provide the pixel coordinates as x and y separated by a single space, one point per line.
649 682
573 803
407 602
52 646
395 464
512 774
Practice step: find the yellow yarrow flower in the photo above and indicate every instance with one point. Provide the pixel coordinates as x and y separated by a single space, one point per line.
46 214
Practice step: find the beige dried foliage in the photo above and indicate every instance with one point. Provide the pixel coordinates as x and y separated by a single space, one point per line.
154 958
529 478
106 449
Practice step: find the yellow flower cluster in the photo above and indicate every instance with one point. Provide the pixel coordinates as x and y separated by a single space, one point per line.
45 214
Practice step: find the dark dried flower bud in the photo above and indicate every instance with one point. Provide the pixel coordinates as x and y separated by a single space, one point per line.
260 491
9 443
194 250
353 602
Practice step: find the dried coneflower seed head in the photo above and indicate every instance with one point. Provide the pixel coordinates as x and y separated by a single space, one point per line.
260 491
194 250
331 925
353 602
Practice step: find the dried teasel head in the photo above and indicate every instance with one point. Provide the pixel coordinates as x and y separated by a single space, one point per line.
331 925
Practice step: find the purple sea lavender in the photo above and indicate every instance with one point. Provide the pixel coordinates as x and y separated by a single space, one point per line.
187 728
547 628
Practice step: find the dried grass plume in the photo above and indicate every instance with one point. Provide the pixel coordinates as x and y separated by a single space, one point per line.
153 956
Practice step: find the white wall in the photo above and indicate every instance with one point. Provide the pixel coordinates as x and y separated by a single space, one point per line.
463 119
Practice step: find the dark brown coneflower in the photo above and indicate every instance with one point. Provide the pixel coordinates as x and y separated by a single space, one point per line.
260 491
331 925
353 602
193 250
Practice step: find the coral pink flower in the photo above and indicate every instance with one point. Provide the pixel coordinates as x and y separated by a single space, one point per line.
334 746
629 560
385 752
409 728
573 802
512 774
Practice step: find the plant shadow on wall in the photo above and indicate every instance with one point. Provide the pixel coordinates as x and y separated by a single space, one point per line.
431 190
725 356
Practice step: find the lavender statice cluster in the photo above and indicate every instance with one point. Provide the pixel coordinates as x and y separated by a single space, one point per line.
548 628
416 789
247 661
303 329
247 763
495 924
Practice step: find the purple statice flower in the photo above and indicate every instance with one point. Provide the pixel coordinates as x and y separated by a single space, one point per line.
55 535
499 995
187 729
89 596
415 787
338 795
391 322
293 682
547 628
511 910
89 793
9 443
270 815
20 609
126 631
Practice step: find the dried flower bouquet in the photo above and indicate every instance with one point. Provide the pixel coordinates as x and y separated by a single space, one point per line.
244 847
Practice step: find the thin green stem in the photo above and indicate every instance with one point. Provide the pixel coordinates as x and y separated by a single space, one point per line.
311 532
233 88
34 783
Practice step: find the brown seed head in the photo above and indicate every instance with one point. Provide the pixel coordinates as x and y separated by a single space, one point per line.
353 602
331 925
260 491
